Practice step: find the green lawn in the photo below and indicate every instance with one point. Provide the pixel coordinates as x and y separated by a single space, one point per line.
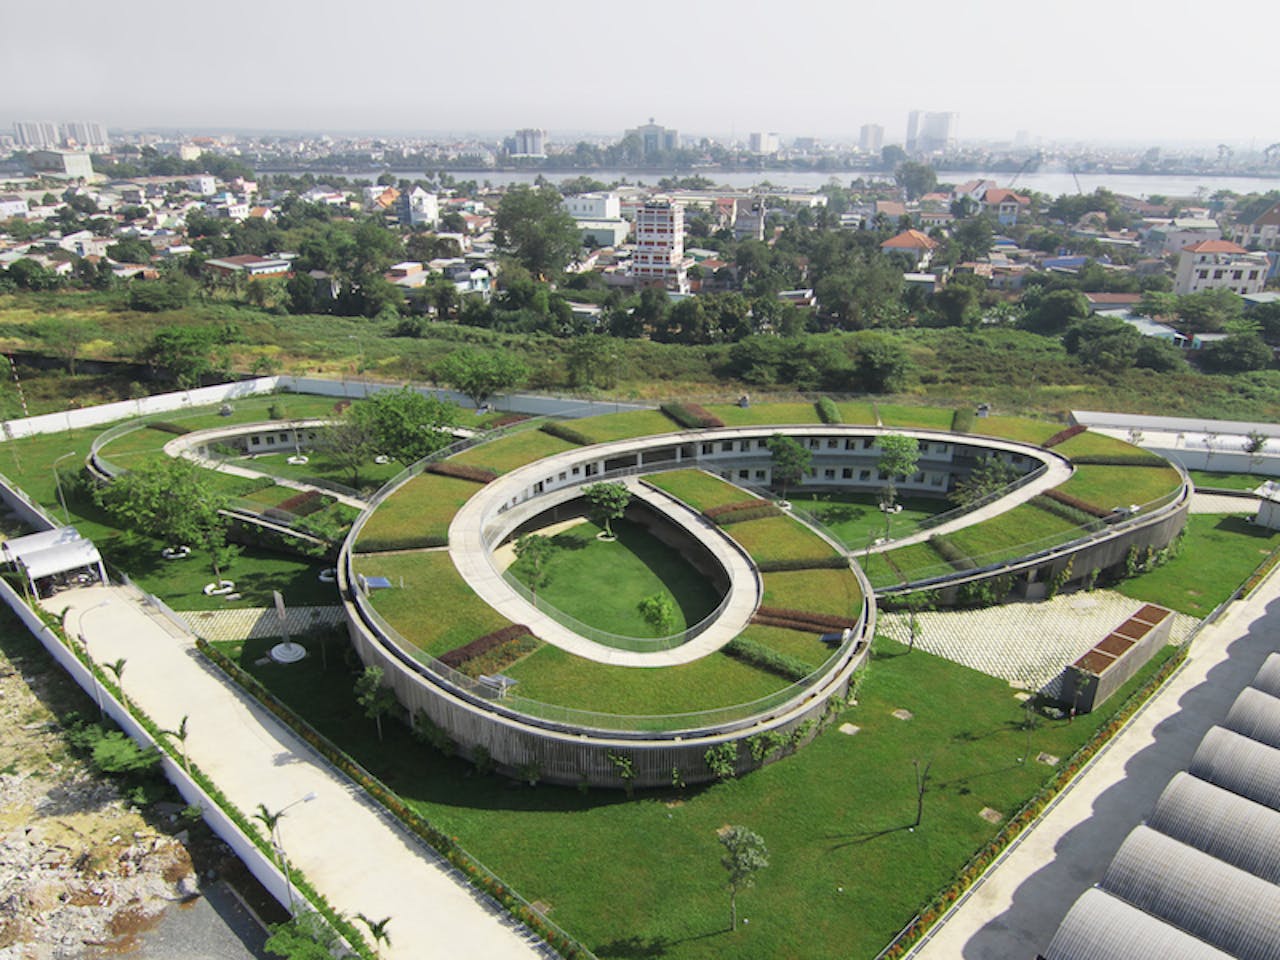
370 476
642 878
852 516
1021 429
699 489
764 414
1094 444
1217 554
803 645
600 584
1107 486
430 604
624 426
927 418
1024 529
416 515
857 412
137 446
834 592
1227 481
507 453
779 538
916 561
257 573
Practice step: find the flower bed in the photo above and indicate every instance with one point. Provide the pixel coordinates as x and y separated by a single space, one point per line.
691 415
1066 434
462 471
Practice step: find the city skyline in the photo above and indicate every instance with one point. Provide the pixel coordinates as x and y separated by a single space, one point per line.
822 69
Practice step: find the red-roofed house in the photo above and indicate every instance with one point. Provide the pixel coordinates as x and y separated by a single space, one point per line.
914 244
1219 265
1263 231
1004 204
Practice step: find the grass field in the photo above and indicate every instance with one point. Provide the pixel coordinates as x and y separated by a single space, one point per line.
764 414
699 489
834 592
851 517
417 514
1094 444
779 538
370 476
1021 429
1015 533
928 418
802 645
429 604
916 561
624 426
1227 481
601 584
506 453
857 412
642 878
1107 486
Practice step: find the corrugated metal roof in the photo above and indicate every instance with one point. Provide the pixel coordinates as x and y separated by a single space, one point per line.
1123 421
1268 678
1235 830
1236 763
1103 927
1256 715
1211 900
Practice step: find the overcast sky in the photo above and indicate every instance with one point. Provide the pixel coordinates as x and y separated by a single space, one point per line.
1105 70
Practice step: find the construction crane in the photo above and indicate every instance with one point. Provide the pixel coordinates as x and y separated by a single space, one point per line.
1032 161
1271 154
1225 153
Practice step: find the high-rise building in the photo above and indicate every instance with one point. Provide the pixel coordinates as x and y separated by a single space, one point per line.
659 256
765 144
655 138
38 136
931 132
871 138
85 135
529 142
913 130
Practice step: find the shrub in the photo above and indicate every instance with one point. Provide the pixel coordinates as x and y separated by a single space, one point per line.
164 426
507 419
962 420
827 410
755 511
691 415
419 542
481 645
1139 459
564 432
951 553
462 471
1066 434
825 620
1076 503
304 504
768 659
1066 512
834 562
722 759
712 513
501 656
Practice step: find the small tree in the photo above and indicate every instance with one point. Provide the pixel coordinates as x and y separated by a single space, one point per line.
479 374
1028 724
378 931
533 553
791 461
659 611
350 444
1254 442
625 764
607 502
375 699
899 455
306 937
988 475
117 670
745 855
181 736
922 785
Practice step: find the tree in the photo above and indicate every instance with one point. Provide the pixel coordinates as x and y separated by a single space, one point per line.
66 337
534 228
607 502
181 736
378 931
533 553
1255 441
593 362
1028 724
480 374
376 700
1238 353
349 443
1051 313
790 460
745 855
306 937
988 475
659 611
189 353
405 424
899 455
117 671
881 365
916 179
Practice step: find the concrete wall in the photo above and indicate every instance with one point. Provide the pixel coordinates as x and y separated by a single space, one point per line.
26 509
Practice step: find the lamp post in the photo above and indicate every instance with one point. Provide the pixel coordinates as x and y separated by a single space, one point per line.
57 481
272 820
84 645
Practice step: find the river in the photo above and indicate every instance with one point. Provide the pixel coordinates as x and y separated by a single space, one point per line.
1051 182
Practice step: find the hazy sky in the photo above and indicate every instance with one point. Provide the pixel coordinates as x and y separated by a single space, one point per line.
1117 70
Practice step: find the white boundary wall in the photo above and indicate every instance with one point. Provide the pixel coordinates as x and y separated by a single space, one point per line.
227 392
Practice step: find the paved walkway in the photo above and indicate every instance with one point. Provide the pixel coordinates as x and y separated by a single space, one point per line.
1027 644
1013 913
1222 503
255 623
474 563
360 859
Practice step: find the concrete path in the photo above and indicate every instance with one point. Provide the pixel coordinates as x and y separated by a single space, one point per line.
1223 503
474 563
354 854
1027 644
1015 910
254 623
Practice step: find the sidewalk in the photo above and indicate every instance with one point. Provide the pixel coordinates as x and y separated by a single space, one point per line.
353 853
1014 910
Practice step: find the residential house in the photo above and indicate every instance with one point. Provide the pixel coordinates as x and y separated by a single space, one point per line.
659 256
1262 232
1004 205
418 208
1220 265
248 265
916 245
1168 237
11 205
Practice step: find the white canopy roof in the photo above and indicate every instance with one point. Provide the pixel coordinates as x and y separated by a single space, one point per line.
19 547
71 555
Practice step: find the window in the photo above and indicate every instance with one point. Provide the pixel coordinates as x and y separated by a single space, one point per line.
1237 274
284 438
1202 274
846 473
851 444
255 441
576 471
864 475
1217 274
829 474
561 478
936 479
726 446
833 444
708 449
744 474
1253 274
761 475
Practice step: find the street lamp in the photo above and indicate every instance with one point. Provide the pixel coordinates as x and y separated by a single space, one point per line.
273 821
84 645
57 480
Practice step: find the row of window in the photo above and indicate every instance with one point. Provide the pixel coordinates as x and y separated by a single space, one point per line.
257 441
846 473
1219 274
818 443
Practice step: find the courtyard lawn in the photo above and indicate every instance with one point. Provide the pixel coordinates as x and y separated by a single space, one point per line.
803 645
851 517
256 573
1024 529
699 489
370 476
773 539
857 412
916 561
926 418
1021 429
429 603
137 446
1227 481
259 409
764 414
1093 445
416 515
1108 486
552 676
601 584
643 878
1217 553
834 592
623 426
506 453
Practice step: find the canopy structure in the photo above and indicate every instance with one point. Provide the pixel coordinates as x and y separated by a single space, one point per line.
13 550
73 556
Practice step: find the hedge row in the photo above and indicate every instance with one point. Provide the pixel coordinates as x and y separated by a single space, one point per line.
477 874
757 510
1141 459
714 513
462 471
826 621
835 562
304 504
1066 434
962 420
827 410
1091 509
691 415
951 553
564 432
765 658
507 419
501 656
424 541
165 426
1068 513
481 645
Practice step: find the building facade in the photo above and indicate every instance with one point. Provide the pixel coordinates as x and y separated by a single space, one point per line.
529 142
871 138
659 256
1220 265
655 139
